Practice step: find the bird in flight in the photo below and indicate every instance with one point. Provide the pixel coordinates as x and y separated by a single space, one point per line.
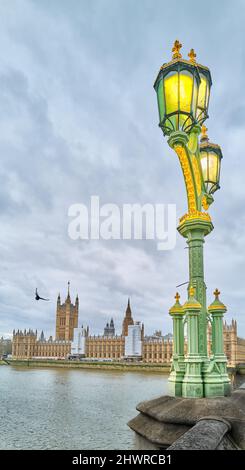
37 297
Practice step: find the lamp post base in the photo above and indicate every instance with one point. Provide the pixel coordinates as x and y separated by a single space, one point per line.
175 386
216 380
176 378
192 386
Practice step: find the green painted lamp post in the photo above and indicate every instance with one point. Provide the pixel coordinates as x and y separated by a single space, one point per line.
178 361
218 360
183 90
192 381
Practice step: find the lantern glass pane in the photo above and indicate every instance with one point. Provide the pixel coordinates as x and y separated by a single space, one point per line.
204 164
194 99
171 86
213 167
207 95
160 97
184 121
202 92
185 90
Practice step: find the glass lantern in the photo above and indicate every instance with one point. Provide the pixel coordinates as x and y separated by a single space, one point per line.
203 93
210 155
177 86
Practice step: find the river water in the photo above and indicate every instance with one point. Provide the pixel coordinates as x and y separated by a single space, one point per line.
72 409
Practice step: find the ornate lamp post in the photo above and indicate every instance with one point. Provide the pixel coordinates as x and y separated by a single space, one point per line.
183 89
178 361
218 360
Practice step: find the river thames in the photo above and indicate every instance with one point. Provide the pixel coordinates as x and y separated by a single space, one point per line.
72 409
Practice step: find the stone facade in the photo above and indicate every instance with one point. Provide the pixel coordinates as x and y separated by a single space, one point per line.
66 317
50 349
104 347
234 346
240 351
155 349
26 345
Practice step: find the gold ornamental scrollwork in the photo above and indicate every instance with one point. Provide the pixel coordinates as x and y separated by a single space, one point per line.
205 203
183 158
196 174
195 215
193 212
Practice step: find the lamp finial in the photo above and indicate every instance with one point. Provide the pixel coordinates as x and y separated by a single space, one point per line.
204 135
216 293
192 291
177 297
192 55
176 50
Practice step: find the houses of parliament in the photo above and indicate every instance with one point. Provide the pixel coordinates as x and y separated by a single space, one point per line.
132 341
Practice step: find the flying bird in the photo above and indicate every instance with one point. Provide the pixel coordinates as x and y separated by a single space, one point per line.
37 297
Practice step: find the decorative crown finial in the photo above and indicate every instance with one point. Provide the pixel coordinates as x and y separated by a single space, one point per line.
192 291
204 135
192 55
176 50
204 130
177 297
216 293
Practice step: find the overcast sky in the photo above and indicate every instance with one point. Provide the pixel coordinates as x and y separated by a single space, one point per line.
78 117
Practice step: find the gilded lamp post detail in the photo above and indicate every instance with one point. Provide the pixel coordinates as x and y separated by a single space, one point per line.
183 90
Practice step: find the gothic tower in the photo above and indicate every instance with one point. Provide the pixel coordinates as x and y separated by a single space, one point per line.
66 317
128 320
142 332
109 330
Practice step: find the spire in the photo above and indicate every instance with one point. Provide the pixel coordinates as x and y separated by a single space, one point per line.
77 300
58 299
128 310
142 331
68 292
128 320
